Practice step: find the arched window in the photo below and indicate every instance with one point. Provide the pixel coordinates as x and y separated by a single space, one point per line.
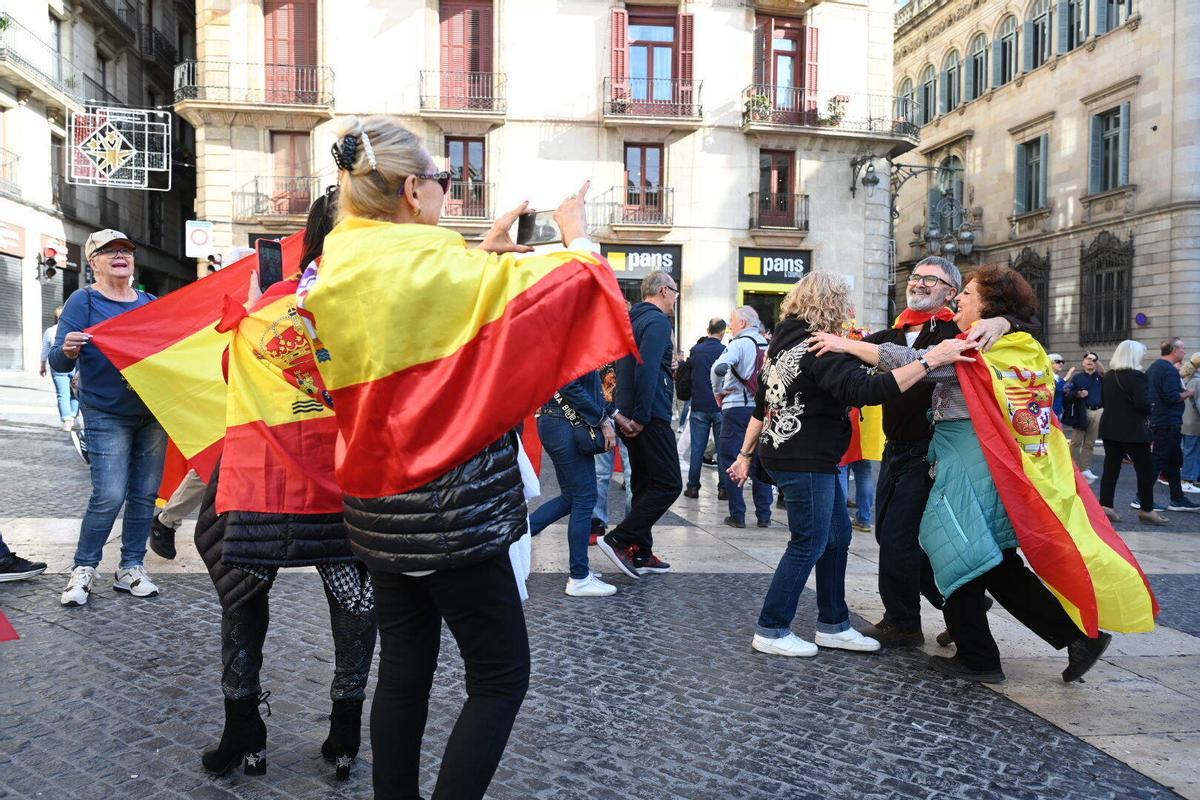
1106 291
928 95
951 82
1035 269
976 72
950 184
1004 53
1038 39
1076 26
905 100
1112 14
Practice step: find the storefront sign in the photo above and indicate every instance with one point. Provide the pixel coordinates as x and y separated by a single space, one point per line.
12 240
756 265
636 261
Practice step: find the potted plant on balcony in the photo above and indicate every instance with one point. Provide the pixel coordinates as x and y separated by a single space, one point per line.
758 106
835 110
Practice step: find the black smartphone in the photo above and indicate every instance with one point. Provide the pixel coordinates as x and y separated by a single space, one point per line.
270 262
537 227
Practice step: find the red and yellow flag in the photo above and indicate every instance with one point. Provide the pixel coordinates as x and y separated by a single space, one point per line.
866 435
170 354
280 433
435 350
1061 528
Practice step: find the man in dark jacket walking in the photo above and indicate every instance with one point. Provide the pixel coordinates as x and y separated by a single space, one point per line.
1167 397
645 393
1083 397
705 420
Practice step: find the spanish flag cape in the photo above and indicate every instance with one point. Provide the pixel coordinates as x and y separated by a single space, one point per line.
1061 528
866 435
435 351
280 431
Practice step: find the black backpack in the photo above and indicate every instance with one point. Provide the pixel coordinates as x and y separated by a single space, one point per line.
683 380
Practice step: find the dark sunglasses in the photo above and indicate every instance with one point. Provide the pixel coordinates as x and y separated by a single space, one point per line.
443 179
1058 361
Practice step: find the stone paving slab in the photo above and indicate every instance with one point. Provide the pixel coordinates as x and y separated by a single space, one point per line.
653 693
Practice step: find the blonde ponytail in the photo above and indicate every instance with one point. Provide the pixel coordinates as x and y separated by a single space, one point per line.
373 190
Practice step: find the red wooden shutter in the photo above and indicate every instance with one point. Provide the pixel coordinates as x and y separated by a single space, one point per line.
304 33
479 56
764 36
685 27
620 53
454 55
808 40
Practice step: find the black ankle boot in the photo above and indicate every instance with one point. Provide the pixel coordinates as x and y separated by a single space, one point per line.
345 736
244 737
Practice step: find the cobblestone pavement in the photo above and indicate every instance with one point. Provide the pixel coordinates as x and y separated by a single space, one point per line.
658 696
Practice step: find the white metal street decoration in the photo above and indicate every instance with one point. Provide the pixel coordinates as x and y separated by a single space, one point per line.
120 147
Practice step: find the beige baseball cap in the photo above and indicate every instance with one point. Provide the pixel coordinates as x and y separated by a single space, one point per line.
104 238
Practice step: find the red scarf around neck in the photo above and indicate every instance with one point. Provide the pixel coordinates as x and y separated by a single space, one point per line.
910 318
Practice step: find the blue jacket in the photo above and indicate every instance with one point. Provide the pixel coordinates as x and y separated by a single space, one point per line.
584 394
1059 387
646 390
1077 407
1165 387
100 383
702 357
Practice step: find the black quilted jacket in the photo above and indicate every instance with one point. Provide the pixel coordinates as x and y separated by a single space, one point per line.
285 540
468 515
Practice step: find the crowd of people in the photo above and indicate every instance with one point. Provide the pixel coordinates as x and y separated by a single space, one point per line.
399 555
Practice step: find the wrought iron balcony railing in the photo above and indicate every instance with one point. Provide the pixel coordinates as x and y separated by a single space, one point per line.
94 92
36 59
157 46
10 163
464 91
788 105
469 200
777 210
243 82
633 205
652 97
276 196
121 12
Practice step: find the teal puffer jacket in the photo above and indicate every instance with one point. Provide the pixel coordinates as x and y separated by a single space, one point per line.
965 527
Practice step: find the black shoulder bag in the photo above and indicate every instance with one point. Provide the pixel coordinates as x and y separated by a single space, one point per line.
589 441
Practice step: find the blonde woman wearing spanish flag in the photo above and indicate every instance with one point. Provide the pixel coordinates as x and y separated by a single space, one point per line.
1003 479
433 353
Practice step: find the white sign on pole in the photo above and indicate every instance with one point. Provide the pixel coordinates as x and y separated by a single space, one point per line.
198 238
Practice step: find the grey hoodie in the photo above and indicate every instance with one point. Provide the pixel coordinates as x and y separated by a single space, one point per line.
741 355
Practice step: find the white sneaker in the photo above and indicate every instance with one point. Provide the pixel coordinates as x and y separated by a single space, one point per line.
790 645
591 586
847 640
1091 476
135 581
1191 488
68 425
1163 482
79 587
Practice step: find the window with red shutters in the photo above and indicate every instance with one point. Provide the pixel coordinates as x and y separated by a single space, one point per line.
785 66
290 50
652 61
290 188
465 29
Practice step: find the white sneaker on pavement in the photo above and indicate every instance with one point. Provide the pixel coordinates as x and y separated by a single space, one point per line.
1091 476
790 645
1191 488
847 640
79 587
591 586
135 581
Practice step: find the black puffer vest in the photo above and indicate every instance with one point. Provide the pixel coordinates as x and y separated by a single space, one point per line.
285 540
466 516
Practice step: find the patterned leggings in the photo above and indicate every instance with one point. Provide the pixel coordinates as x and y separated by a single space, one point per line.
244 629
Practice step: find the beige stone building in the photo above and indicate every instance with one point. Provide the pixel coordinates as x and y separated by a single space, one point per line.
1070 132
717 134
56 56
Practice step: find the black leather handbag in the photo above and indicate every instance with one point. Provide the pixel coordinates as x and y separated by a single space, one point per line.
589 441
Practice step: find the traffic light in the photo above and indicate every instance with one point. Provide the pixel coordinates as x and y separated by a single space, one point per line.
48 263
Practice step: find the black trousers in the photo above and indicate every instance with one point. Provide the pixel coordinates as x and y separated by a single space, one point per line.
1139 453
483 611
904 570
1014 586
244 630
1168 456
654 462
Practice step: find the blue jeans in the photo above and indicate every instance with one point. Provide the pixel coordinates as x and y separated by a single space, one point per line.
864 489
683 413
68 406
604 472
1191 459
126 462
576 475
820 528
734 422
702 422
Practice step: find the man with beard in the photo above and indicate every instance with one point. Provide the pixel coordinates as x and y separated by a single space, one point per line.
904 480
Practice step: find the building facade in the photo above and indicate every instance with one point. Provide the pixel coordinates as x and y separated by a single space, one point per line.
1067 133
717 134
56 57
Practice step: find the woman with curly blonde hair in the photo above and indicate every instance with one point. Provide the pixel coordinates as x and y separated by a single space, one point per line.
801 428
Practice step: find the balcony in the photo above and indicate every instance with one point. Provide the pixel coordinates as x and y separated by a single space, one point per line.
280 199
774 109
479 96
635 208
119 16
34 66
774 211
469 200
652 102
156 46
95 94
10 183
218 92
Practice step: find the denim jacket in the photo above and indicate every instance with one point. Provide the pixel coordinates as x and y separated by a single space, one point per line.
585 395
